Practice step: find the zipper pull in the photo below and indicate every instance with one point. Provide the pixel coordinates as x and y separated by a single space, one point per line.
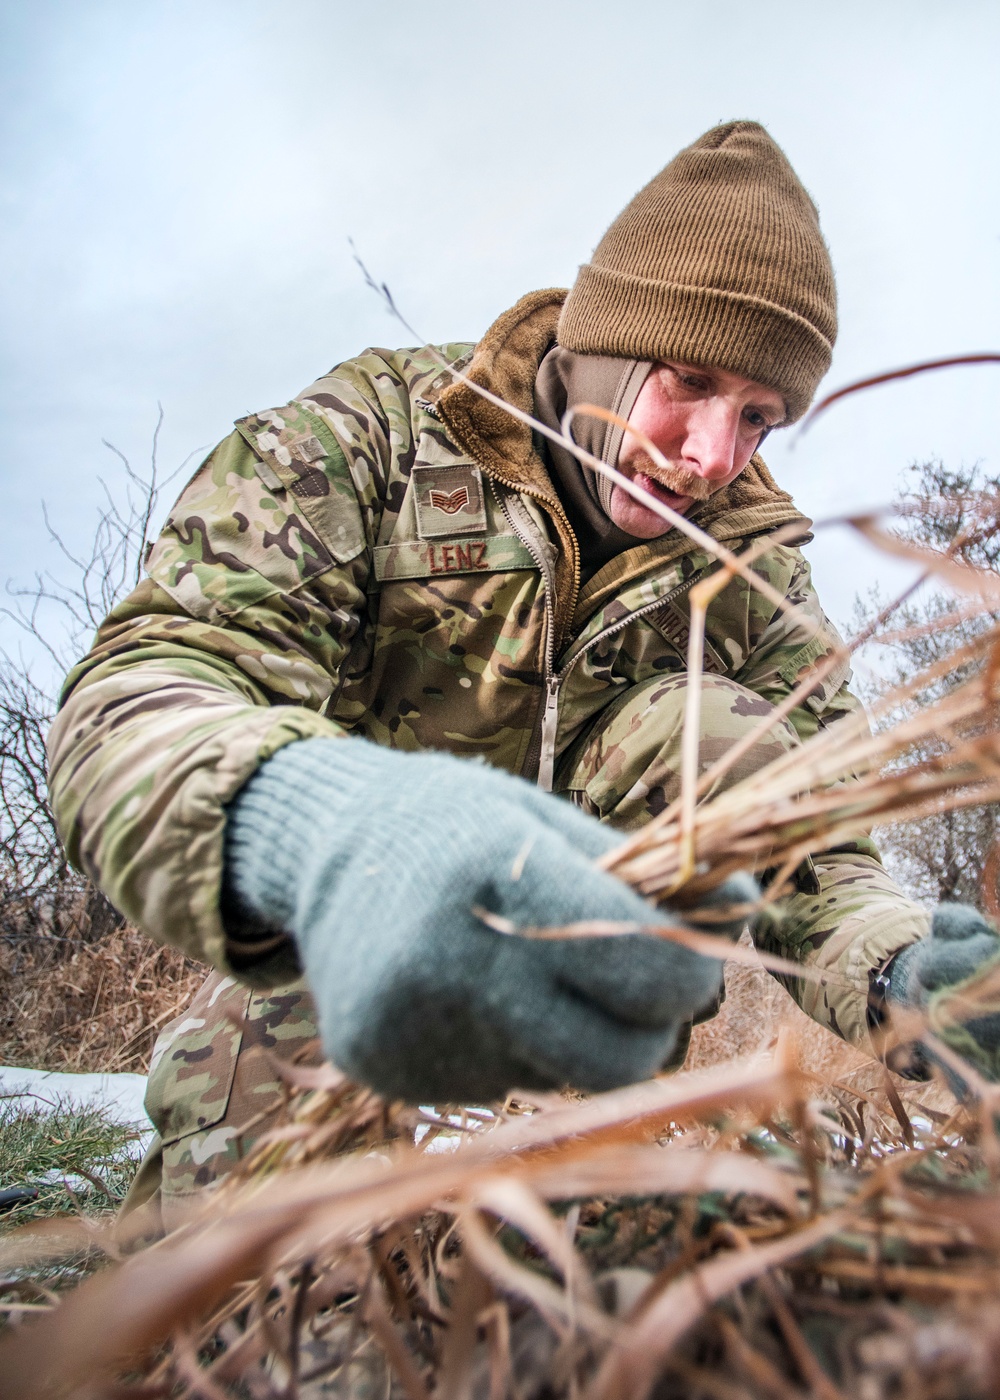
550 726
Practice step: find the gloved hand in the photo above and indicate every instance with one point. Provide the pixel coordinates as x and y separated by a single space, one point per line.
374 859
960 945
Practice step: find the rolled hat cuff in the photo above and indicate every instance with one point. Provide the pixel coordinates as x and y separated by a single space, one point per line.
614 313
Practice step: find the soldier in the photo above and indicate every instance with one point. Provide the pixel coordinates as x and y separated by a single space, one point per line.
396 657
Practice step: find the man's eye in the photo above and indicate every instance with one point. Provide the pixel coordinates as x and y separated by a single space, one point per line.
689 381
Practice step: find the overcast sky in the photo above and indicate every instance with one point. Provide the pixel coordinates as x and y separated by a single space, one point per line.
180 180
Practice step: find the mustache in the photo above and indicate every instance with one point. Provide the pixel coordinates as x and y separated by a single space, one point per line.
676 479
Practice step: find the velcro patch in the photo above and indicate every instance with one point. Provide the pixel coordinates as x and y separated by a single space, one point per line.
308 449
418 559
449 500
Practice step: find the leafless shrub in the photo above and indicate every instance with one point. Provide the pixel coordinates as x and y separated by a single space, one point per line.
943 855
60 611
41 896
91 1005
75 997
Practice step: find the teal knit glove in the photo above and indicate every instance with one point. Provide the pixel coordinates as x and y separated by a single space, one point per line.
374 860
960 945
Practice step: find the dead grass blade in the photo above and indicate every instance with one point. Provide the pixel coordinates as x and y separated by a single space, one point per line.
657 1171
117 1316
709 945
888 376
123 1312
473 1295
563 1313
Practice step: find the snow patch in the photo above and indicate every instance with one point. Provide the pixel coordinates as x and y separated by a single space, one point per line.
120 1095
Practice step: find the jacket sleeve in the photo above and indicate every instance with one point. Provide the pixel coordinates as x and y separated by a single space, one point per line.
785 646
848 924
229 649
847 917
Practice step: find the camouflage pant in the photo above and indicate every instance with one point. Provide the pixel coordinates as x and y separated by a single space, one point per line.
212 1087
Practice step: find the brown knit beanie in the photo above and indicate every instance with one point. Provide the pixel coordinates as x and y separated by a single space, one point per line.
718 261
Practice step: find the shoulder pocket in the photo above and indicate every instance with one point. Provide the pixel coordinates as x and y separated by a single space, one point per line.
296 452
270 509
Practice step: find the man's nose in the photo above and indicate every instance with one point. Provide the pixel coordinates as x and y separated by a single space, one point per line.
710 446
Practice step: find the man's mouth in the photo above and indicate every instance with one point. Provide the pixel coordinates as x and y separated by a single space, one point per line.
673 499
670 484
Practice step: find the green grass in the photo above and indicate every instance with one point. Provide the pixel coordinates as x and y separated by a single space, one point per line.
41 1146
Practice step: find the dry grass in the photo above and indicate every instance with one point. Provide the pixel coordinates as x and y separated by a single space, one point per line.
792 1225
742 1231
789 1226
98 1007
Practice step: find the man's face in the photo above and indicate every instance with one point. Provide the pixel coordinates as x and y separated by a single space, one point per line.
706 422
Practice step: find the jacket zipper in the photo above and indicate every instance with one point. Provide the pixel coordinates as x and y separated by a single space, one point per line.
554 681
542 558
543 748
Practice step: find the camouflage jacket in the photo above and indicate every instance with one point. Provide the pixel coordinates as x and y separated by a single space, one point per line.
386 556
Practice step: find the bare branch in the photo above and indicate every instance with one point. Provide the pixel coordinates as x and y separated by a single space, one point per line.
41 896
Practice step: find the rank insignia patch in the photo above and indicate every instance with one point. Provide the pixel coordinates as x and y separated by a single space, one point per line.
449 500
440 500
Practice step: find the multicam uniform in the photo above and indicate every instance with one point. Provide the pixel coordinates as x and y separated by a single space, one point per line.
386 557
